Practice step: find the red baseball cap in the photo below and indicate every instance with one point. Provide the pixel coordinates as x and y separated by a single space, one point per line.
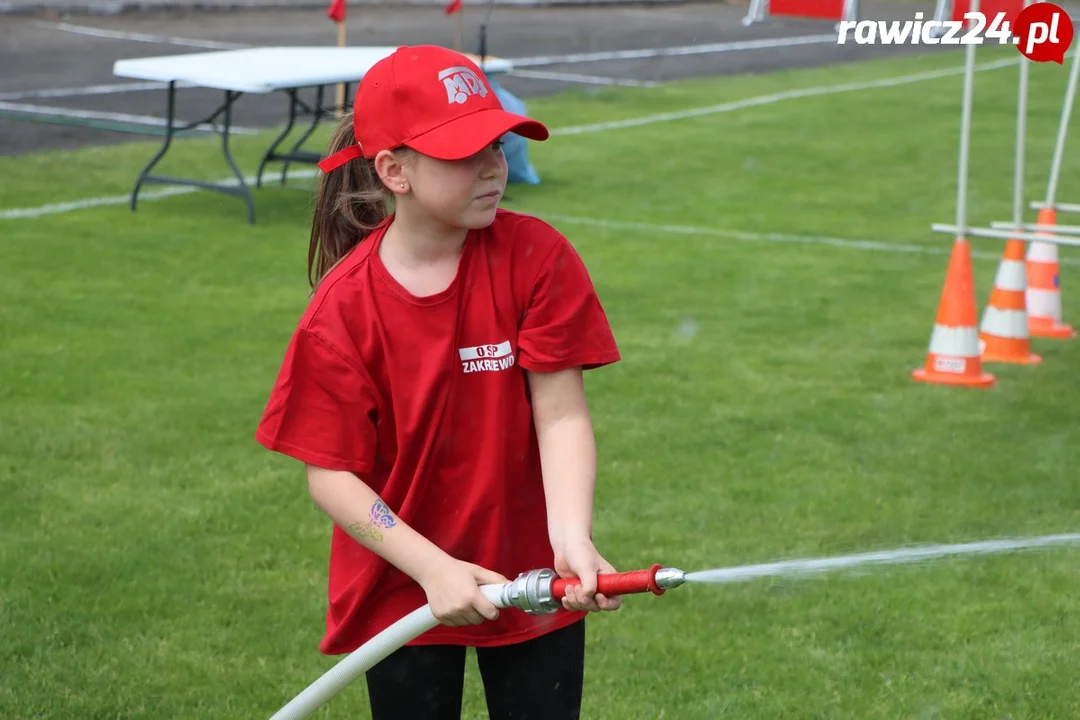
433 100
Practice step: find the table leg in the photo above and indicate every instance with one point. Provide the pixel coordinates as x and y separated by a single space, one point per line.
243 190
271 152
170 108
297 107
295 153
240 190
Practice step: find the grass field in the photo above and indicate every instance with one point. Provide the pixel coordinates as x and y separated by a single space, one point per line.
158 563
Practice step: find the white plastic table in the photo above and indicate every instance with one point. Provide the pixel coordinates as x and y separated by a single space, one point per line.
260 70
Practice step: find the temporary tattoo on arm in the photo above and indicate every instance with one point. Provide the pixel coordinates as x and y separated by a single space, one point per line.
380 518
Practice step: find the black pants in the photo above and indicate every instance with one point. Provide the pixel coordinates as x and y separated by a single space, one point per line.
540 679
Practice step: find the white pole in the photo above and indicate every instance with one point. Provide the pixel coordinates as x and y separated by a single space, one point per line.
1063 131
1060 207
1055 228
1010 234
1021 139
965 136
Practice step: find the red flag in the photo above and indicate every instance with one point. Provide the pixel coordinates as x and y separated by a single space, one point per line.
453 7
336 11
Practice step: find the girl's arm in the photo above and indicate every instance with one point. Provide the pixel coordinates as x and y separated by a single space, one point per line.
358 510
568 463
567 452
451 586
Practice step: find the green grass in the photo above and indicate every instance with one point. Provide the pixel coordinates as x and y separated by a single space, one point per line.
158 563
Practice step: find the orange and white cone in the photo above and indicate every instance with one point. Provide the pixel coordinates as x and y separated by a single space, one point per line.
954 357
1044 286
1004 336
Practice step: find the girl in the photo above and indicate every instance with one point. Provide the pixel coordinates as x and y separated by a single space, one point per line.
433 390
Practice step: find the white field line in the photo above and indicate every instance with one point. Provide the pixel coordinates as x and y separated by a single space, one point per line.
108 89
53 208
648 228
747 236
116 88
678 51
144 195
777 97
534 61
667 16
526 62
584 79
150 120
140 37
745 573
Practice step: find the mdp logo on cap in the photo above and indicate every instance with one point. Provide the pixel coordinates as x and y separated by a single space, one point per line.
461 83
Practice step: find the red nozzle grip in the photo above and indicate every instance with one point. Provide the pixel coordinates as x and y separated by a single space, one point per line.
609 584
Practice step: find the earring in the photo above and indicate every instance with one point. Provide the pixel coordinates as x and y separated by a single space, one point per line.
401 184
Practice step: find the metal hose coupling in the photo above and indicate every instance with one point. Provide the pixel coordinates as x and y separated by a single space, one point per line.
540 592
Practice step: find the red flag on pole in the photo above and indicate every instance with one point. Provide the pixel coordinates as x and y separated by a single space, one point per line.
453 7
336 11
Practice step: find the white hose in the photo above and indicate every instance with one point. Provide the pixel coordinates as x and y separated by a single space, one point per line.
367 655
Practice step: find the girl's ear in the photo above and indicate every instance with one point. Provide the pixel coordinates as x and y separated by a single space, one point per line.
390 167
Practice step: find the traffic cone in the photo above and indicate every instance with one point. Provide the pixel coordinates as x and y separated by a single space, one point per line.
954 357
1004 335
1044 286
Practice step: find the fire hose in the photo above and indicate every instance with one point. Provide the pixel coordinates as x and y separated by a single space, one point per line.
540 592
537 592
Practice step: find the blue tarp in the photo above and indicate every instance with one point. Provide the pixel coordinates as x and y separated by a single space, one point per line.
515 147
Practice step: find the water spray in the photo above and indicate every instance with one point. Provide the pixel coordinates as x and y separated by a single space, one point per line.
540 592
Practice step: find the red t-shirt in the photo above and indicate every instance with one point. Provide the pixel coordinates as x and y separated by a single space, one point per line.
363 387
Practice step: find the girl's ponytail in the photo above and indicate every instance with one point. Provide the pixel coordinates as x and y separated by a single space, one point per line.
350 202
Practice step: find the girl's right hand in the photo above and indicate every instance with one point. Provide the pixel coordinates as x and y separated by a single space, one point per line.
453 593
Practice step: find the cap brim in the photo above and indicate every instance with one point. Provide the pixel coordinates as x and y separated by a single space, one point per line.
468 135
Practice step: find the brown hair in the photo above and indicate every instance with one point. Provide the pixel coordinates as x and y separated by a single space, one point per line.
350 202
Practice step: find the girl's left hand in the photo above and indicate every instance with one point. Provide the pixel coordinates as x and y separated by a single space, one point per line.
579 559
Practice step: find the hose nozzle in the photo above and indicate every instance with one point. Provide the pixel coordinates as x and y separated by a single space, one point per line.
539 592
